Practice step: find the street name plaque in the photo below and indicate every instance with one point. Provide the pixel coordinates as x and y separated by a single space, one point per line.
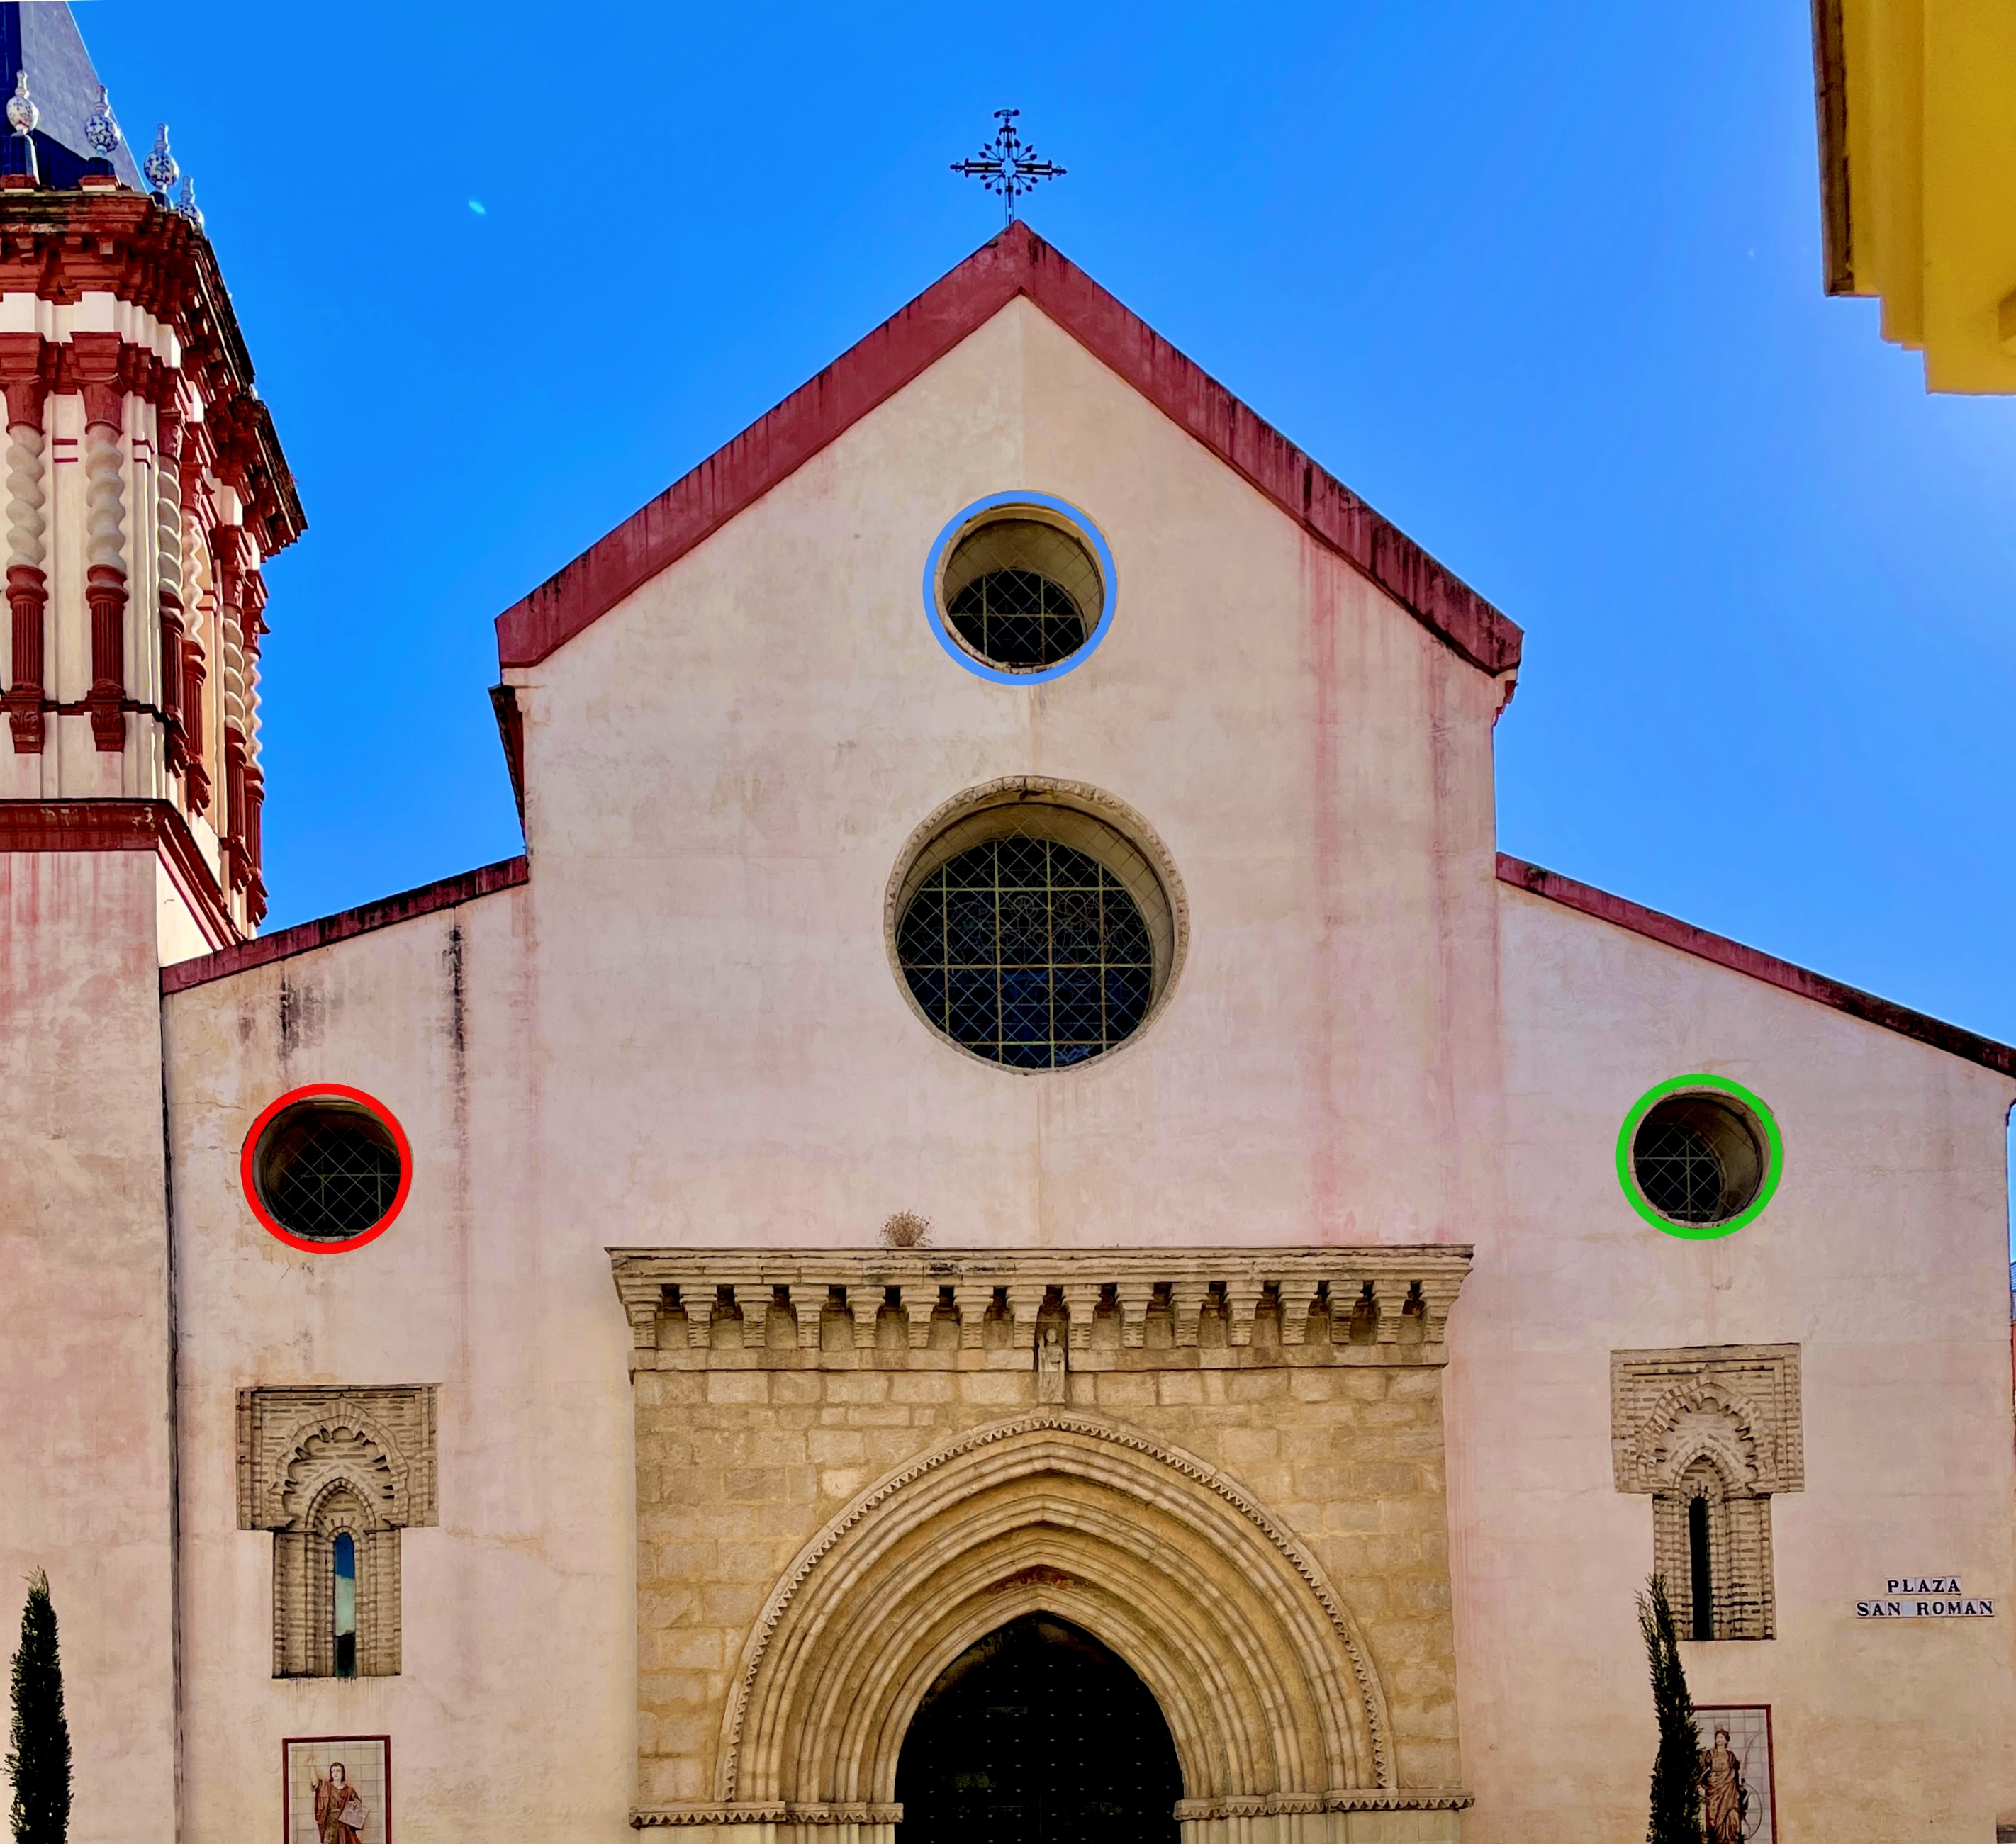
1925 1597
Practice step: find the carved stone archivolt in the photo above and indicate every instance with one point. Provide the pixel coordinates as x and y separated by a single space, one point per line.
315 1464
964 1438
1736 1405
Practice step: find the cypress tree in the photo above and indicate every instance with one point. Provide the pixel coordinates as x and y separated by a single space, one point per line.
38 1760
1677 1800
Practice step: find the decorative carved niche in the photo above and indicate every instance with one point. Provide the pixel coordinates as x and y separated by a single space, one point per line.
336 1474
1716 1427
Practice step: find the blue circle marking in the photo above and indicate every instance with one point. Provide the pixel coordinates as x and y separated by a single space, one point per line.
1081 527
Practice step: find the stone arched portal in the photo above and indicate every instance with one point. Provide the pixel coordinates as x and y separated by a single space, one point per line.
1247 1648
1090 1510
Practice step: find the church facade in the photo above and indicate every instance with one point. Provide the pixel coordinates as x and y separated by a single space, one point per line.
1011 1119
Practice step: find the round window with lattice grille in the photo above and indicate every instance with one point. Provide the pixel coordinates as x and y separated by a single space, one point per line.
326 1169
1698 1156
1033 932
1020 587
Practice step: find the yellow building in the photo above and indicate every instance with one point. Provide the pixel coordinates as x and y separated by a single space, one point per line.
1917 134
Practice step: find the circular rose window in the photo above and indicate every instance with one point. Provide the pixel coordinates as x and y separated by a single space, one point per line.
1019 587
326 1169
1031 932
1698 1156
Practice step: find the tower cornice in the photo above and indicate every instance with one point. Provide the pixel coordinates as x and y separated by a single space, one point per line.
62 246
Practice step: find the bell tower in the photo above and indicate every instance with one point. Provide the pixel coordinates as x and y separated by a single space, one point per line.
143 491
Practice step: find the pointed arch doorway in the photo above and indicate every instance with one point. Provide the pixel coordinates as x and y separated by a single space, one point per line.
1038 1733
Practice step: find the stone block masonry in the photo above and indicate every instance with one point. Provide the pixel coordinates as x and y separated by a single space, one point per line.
869 1456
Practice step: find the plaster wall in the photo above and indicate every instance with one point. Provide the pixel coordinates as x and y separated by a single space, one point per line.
86 1472
686 1030
513 1713
723 770
1881 1256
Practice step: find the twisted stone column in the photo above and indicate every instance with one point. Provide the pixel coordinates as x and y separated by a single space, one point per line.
98 360
168 579
252 603
24 371
227 545
28 585
199 606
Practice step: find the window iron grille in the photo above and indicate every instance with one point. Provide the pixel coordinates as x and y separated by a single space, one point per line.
1027 952
1017 619
1679 1171
327 1173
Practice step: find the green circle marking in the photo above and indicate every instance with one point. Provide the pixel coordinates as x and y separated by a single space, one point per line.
1627 1176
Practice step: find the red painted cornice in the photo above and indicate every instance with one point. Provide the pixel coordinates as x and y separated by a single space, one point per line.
1668 929
123 825
447 894
63 245
1018 262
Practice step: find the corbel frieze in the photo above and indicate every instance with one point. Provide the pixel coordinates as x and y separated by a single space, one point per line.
1080 1309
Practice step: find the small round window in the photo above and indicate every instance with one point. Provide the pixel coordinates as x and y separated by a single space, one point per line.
1698 1156
1033 933
326 1169
1019 587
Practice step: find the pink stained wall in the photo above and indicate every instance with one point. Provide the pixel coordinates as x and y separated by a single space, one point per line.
514 1707
686 1028
722 771
1882 1256
86 1489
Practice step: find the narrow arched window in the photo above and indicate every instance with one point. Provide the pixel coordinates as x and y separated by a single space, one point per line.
1701 1570
343 1573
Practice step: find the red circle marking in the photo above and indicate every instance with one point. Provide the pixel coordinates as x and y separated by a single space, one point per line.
324 1092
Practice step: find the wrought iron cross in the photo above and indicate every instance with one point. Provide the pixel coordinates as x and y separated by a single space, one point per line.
1008 165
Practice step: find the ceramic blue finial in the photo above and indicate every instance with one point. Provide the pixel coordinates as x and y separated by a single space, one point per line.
186 204
159 166
101 126
21 113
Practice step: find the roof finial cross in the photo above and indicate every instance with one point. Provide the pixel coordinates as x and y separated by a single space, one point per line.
1007 164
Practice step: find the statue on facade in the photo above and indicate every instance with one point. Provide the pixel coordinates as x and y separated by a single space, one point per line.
1050 1385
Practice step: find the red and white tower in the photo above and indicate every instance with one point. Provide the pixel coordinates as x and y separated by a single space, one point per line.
144 489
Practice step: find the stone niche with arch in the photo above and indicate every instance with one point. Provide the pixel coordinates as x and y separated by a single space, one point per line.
336 1474
1711 1432
1224 1465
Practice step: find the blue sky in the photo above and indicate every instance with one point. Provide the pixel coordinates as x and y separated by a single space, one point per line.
1542 284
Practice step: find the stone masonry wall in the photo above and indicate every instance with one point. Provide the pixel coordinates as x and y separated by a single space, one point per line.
738 1468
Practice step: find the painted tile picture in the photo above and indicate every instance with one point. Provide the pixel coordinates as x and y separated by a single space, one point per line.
1736 1794
339 1789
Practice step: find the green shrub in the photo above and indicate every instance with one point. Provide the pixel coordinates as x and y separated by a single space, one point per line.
38 1760
1676 1803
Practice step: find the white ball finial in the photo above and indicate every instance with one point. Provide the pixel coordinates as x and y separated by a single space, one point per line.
186 205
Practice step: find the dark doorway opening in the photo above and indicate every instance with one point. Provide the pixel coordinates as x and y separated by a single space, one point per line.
1038 1734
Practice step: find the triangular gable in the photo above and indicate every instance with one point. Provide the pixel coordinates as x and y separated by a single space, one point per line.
1018 262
